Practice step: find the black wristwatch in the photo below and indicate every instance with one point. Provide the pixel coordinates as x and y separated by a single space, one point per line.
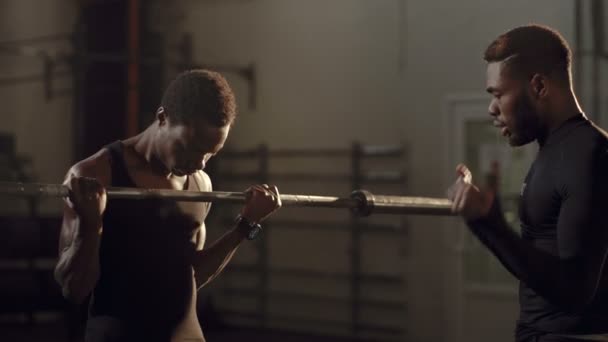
252 229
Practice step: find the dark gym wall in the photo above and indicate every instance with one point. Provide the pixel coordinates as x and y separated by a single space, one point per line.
112 84
100 81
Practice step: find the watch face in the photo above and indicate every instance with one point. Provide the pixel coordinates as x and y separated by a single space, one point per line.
253 230
253 233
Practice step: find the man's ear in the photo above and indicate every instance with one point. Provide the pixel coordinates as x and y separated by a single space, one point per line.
161 116
539 86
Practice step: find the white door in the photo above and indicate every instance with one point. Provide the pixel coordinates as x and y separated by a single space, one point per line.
481 295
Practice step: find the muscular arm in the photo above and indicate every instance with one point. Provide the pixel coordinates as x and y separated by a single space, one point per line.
210 262
77 269
570 279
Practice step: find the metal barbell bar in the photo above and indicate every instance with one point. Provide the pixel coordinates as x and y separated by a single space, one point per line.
360 202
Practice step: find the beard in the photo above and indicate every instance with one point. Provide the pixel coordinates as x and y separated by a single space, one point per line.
526 122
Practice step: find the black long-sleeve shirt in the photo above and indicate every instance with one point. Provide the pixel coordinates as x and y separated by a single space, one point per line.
559 258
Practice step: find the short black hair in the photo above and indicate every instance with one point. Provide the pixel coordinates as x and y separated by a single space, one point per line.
531 49
200 93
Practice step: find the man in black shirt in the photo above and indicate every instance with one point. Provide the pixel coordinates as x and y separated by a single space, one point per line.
561 254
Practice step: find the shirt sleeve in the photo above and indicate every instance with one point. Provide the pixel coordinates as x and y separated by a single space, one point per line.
571 279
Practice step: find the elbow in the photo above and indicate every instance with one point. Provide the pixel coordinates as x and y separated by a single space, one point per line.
75 293
71 290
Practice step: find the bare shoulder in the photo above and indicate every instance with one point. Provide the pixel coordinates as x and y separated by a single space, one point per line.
96 166
204 184
203 180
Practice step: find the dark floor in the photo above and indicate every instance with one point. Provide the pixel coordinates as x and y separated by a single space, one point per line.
57 333
39 332
270 336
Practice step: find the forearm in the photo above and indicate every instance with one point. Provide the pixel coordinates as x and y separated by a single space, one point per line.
558 281
209 262
77 270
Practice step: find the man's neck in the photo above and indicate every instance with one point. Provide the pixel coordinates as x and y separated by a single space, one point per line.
146 148
563 109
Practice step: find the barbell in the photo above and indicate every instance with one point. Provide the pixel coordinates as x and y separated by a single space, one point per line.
360 202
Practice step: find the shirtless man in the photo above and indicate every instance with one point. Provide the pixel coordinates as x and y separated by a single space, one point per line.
141 261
